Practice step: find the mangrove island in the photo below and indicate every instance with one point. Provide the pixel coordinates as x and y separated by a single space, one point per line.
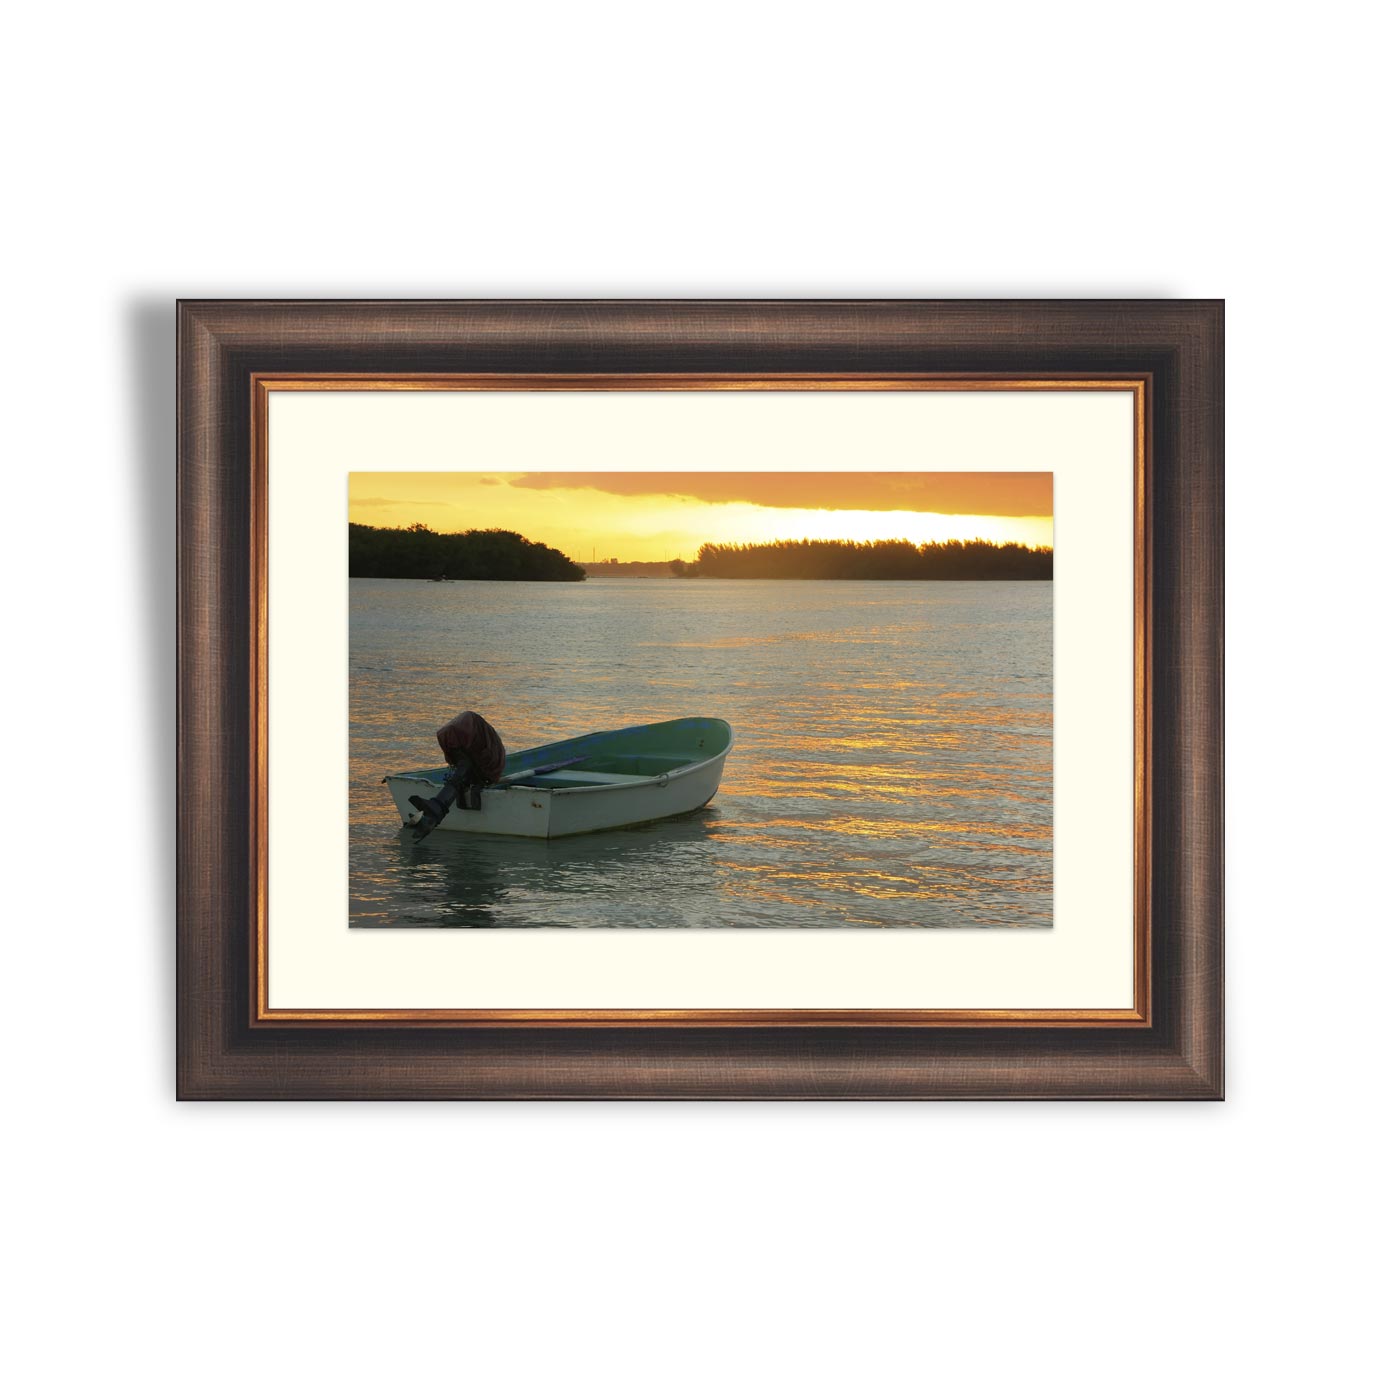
979 560
418 552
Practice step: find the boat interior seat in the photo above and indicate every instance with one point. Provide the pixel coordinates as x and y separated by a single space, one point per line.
648 763
570 777
613 767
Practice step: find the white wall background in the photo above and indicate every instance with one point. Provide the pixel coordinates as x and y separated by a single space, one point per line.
736 149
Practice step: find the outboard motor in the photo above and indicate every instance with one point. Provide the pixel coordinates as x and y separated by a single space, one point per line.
458 788
478 758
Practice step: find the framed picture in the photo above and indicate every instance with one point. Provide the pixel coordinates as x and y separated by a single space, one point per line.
701 699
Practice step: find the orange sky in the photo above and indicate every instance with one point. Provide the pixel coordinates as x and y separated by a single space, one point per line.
664 515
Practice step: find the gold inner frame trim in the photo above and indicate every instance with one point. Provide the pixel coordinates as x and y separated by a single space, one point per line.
1138 1015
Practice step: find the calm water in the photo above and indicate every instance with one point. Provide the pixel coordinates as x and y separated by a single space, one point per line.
891 766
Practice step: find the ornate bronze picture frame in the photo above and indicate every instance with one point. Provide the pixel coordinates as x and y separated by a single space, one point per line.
1168 1044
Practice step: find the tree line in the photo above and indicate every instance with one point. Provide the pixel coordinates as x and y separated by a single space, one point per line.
415 551
880 559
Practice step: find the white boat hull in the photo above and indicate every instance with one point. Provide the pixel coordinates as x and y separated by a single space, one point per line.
581 802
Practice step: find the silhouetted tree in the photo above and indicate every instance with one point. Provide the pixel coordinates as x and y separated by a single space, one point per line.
878 559
419 552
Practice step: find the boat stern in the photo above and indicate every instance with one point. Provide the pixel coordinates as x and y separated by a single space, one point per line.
503 811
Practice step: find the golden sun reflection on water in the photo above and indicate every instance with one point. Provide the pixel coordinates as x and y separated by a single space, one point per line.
889 776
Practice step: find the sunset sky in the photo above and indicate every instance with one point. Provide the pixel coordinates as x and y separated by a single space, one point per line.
665 515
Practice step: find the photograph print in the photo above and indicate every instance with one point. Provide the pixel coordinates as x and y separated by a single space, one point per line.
701 700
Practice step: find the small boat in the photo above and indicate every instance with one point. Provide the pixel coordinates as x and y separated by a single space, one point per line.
616 777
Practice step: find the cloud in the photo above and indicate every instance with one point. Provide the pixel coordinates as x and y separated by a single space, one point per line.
380 502
940 493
